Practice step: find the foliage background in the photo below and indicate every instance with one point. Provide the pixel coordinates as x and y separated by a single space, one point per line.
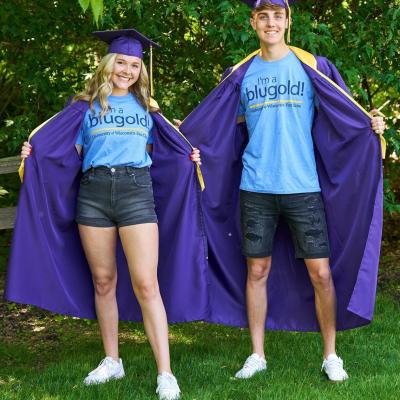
47 52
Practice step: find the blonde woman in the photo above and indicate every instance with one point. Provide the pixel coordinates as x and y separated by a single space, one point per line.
116 198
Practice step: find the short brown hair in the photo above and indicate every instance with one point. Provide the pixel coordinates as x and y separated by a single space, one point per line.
267 6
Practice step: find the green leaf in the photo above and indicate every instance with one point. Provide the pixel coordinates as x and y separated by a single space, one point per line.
84 4
369 51
97 9
2 191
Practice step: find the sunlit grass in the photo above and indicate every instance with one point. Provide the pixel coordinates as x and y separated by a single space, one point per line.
204 358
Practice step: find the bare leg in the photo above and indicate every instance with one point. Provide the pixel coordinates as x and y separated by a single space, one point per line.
325 301
140 243
256 296
99 246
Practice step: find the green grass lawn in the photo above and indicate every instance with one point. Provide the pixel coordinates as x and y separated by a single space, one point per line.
46 357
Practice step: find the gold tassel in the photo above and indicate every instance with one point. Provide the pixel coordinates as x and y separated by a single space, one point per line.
151 72
289 19
200 178
383 146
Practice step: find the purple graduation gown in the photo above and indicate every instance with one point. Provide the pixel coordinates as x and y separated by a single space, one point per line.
201 271
47 267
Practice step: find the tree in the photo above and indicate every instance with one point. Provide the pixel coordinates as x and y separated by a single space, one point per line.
47 58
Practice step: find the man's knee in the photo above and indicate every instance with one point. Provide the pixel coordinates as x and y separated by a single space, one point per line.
258 268
322 277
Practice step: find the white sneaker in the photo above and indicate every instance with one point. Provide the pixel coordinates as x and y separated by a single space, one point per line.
252 365
167 387
333 367
108 369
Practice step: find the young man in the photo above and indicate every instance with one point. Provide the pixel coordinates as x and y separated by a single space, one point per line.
280 142
280 178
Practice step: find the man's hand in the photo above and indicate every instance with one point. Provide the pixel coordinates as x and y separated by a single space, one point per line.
377 123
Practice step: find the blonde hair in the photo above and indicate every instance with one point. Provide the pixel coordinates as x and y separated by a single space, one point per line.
101 86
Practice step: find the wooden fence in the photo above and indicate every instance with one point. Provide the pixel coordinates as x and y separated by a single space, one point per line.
8 165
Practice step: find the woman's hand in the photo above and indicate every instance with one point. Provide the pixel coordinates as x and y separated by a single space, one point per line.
195 156
26 150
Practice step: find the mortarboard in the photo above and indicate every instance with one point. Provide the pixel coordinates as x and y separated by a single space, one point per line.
258 3
126 41
129 42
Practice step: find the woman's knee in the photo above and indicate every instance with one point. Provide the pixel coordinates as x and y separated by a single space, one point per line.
147 290
104 285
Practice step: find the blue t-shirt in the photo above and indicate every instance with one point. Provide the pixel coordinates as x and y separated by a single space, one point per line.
277 100
119 137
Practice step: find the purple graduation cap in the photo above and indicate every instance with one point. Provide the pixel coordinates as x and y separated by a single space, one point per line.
258 3
129 42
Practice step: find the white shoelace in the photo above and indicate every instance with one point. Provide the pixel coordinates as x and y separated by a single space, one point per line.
250 363
103 363
167 383
333 362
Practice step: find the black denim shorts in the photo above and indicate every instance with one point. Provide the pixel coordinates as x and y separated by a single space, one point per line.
303 212
118 196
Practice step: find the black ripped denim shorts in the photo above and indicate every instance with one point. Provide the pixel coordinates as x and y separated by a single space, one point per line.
118 196
303 212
